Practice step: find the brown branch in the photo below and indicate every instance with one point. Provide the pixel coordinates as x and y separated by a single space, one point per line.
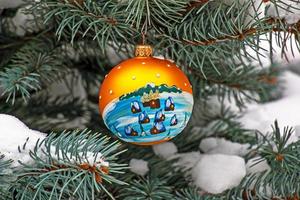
291 197
248 193
80 5
97 171
293 29
85 166
279 157
195 4
109 20
94 170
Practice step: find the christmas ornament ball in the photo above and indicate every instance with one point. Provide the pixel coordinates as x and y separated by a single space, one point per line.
146 100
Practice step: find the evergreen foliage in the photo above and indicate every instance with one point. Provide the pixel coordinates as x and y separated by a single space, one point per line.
71 41
5 178
282 180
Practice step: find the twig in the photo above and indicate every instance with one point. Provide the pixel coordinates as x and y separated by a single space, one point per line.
293 29
195 4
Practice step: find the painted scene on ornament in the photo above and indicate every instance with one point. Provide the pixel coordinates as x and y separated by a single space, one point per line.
151 114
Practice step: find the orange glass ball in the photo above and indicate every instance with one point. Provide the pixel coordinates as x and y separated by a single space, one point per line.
146 100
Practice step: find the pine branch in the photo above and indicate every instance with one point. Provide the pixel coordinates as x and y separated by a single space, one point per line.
281 155
260 77
195 4
5 178
194 194
267 26
146 188
95 20
216 36
243 84
31 66
282 181
70 164
157 15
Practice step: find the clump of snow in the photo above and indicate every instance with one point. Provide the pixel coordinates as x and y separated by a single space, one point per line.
285 110
257 118
217 173
291 83
165 150
253 166
208 144
220 145
14 133
97 160
188 160
139 166
90 157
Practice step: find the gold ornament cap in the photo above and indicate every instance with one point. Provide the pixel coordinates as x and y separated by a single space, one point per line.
143 51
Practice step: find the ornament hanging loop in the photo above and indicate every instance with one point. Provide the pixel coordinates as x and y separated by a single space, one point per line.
143 50
143 38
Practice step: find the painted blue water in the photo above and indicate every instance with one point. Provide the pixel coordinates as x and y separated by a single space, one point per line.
120 116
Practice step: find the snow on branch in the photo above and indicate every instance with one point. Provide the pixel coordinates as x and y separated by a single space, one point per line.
60 162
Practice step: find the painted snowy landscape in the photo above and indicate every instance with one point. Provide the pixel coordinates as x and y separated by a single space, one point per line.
133 119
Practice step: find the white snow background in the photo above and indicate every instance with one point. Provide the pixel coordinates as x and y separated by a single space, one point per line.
221 166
